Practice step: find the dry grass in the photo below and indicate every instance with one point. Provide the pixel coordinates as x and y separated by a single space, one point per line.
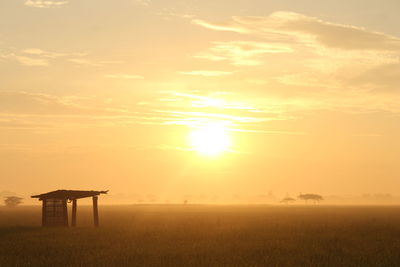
206 236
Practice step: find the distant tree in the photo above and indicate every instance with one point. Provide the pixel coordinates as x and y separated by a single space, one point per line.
12 201
288 200
314 197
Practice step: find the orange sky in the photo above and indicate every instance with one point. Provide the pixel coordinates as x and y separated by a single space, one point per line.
176 98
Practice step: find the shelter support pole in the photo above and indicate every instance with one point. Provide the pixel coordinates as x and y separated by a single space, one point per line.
65 212
44 211
95 211
74 206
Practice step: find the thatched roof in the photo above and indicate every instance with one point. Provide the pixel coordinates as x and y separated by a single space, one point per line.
69 194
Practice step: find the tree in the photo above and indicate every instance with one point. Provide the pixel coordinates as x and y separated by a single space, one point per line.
288 200
316 198
13 201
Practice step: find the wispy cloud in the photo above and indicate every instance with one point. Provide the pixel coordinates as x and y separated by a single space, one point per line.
210 101
207 73
84 62
220 26
384 76
242 52
124 76
28 61
145 3
20 102
45 3
191 109
40 57
305 29
194 118
18 123
320 54
23 110
42 53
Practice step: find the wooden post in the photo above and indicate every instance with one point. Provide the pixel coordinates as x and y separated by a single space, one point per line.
44 211
95 211
65 212
74 202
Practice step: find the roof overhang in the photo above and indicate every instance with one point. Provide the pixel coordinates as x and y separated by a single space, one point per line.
69 194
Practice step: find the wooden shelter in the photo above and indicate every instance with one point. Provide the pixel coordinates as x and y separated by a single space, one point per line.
54 206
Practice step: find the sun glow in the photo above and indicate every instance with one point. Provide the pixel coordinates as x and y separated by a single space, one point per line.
211 139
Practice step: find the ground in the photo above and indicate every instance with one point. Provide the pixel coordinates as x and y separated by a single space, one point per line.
195 235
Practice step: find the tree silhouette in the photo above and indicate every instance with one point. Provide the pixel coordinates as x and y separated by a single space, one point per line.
316 198
12 201
288 200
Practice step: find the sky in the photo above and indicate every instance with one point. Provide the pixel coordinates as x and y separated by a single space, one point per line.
167 100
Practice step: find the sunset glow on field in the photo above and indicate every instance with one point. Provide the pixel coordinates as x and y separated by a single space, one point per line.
228 100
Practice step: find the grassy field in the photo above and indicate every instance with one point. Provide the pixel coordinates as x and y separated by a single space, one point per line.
191 235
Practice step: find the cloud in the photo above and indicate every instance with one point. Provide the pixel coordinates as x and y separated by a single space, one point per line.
21 124
41 53
341 36
19 102
385 76
210 101
124 76
28 61
195 118
206 73
23 110
196 109
287 26
238 112
84 62
45 3
311 56
46 113
144 3
220 27
243 52
40 57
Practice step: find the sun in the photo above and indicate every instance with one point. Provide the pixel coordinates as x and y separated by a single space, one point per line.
211 139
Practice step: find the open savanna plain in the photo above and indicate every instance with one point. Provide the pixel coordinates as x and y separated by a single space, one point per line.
201 235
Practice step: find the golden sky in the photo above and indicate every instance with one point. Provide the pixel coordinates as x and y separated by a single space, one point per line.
173 98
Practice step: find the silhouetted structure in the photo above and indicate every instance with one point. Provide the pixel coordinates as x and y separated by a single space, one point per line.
12 201
316 198
288 200
54 206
